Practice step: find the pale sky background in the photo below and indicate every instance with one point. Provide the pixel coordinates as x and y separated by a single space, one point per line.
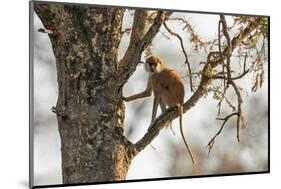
200 122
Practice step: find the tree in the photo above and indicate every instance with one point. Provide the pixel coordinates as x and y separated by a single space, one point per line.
90 110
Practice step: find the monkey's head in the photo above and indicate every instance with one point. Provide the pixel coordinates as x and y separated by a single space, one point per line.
153 64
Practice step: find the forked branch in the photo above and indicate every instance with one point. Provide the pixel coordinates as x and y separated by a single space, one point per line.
230 82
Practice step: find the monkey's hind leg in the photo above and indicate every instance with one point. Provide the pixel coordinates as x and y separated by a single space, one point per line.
163 109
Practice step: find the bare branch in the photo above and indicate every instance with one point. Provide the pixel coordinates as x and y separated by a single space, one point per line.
233 78
184 52
212 141
222 64
229 80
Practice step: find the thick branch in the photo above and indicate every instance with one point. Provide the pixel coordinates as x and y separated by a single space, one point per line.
139 42
206 79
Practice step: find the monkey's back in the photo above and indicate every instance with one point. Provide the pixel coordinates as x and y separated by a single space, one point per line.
169 86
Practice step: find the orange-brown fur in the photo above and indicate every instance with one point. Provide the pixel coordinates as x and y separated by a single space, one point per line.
168 86
168 90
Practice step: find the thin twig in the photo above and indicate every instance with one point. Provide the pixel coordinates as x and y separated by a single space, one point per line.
194 38
184 52
153 148
225 98
212 141
233 78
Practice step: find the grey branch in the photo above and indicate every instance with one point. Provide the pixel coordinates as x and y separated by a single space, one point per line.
230 81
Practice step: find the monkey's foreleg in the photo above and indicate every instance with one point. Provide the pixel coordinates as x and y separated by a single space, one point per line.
143 94
163 109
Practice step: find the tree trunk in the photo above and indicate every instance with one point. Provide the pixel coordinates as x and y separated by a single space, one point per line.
89 108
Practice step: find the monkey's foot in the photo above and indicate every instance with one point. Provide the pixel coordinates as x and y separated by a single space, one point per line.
168 125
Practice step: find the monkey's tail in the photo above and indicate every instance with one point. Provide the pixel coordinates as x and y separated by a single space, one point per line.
181 130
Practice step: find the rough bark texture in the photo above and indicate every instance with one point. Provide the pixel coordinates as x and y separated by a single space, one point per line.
89 108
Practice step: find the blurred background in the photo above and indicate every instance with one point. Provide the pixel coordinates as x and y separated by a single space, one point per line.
168 156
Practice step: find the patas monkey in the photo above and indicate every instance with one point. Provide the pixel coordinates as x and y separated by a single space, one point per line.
168 90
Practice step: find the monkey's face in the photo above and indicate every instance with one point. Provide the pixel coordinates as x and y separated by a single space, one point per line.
152 65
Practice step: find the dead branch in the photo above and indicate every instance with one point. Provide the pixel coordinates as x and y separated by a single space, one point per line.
212 141
233 78
184 52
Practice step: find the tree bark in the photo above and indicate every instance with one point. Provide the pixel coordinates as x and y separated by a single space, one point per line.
89 108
